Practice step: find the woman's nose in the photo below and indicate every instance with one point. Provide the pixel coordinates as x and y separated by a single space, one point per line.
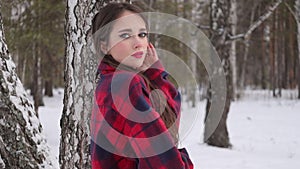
137 42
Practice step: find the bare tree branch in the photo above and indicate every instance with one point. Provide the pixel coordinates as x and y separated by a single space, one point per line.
256 24
292 12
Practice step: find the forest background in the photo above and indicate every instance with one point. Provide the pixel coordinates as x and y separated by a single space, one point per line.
258 42
268 60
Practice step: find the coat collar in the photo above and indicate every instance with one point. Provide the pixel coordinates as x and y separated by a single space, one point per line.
105 68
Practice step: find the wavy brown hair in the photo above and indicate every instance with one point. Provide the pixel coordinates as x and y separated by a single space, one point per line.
101 28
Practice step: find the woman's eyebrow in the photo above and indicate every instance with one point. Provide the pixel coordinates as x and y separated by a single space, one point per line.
143 29
125 30
130 30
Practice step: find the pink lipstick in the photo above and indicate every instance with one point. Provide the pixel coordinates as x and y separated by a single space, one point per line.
138 55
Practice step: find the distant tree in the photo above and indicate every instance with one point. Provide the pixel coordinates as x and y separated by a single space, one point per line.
22 144
259 64
223 28
35 34
220 30
233 48
297 8
295 13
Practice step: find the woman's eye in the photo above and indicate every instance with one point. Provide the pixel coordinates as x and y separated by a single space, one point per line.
143 34
125 36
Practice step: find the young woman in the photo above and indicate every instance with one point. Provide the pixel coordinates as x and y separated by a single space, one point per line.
134 124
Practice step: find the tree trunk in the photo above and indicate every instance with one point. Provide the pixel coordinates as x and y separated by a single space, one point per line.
38 91
265 48
280 62
292 73
49 76
233 20
248 33
246 53
219 13
49 87
22 144
299 80
297 8
80 69
275 56
193 59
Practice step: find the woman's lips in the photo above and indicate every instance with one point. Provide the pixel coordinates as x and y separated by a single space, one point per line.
138 54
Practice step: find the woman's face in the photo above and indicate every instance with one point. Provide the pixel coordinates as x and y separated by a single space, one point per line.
128 40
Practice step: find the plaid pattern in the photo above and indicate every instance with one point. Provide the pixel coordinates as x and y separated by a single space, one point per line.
127 132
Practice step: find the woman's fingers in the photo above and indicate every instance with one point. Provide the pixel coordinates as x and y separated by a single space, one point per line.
152 53
150 58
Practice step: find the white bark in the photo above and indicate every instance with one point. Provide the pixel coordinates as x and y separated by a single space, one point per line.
260 20
233 19
219 15
195 17
80 70
193 63
22 144
246 53
263 18
276 55
246 36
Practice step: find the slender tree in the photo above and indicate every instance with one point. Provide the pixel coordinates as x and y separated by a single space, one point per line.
221 35
79 88
233 56
297 8
296 15
35 35
22 144
245 54
219 14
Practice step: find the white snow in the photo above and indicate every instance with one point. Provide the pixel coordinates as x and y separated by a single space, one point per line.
50 115
264 132
72 17
2 164
19 99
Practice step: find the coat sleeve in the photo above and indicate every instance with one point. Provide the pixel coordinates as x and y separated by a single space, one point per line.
149 140
158 76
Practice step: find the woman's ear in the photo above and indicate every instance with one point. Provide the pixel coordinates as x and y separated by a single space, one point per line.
103 47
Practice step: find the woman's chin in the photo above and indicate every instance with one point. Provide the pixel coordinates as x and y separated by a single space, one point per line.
135 65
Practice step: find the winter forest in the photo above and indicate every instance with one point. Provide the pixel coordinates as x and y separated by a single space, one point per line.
47 80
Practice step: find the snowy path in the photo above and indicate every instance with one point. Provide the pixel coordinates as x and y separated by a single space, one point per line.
264 133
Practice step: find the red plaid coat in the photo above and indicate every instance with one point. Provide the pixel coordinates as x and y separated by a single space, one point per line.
127 132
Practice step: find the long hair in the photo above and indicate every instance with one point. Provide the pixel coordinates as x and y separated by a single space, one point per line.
101 29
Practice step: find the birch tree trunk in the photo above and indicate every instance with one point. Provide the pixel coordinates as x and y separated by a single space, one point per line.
192 59
80 69
275 56
246 43
280 56
22 144
266 49
248 34
37 80
233 21
220 10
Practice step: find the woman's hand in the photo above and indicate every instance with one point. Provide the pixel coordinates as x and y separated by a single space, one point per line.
151 57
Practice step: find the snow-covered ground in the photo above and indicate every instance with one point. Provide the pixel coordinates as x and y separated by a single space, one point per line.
264 132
